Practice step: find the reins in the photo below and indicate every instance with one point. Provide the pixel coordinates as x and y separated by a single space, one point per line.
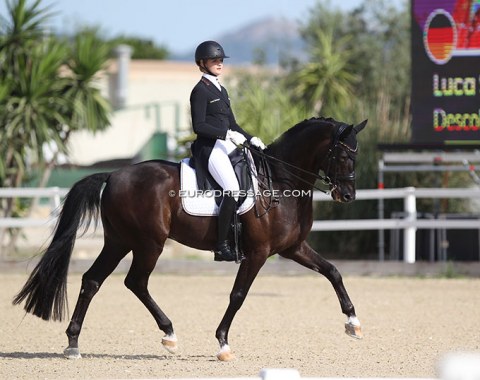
265 166
325 179
266 160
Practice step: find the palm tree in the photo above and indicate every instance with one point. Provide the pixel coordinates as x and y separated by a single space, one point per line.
326 83
82 106
23 84
47 91
88 109
263 106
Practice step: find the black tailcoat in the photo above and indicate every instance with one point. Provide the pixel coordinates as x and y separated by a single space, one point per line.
212 117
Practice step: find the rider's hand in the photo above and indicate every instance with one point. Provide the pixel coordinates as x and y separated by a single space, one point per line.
236 137
256 141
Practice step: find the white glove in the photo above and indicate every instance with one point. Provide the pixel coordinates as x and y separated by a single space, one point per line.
255 141
236 137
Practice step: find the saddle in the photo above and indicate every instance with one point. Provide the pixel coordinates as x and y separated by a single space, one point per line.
206 201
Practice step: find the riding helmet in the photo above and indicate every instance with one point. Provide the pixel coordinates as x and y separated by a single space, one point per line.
209 50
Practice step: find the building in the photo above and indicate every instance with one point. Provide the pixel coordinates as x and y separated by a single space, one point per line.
152 108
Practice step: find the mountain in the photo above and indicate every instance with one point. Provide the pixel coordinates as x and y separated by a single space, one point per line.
274 39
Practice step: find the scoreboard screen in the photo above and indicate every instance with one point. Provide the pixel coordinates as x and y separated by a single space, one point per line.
446 71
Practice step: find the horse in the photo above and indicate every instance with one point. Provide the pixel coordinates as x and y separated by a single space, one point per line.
140 208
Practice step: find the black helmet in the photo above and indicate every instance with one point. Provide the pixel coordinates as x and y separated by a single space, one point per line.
209 50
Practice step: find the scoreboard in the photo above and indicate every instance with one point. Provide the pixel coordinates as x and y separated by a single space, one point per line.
445 71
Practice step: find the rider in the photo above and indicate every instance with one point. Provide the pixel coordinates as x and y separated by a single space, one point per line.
218 134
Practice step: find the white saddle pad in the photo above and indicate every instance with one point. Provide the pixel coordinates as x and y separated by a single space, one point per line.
201 203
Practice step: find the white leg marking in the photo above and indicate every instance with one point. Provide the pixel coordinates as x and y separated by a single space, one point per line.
170 337
225 354
169 342
224 348
353 321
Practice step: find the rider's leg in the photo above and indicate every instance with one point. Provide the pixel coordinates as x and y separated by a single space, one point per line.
222 171
225 215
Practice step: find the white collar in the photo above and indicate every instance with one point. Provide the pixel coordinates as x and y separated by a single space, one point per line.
214 80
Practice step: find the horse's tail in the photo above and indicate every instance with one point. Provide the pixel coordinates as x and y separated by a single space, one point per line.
45 291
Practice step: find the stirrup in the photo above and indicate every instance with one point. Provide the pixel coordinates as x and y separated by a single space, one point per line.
224 253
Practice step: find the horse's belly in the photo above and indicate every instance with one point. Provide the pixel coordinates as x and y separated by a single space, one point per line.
195 232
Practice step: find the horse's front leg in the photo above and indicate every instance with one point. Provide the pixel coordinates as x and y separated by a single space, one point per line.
246 275
307 257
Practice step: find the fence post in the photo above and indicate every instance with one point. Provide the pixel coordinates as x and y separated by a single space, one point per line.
55 201
381 212
409 233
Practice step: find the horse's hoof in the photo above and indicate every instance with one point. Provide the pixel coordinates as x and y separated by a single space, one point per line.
170 344
355 331
72 353
225 354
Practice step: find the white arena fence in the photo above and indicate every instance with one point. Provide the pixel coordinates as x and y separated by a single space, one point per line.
53 194
409 223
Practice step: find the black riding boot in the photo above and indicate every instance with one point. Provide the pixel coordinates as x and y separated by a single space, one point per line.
222 250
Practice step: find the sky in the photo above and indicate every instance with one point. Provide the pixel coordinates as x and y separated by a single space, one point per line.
178 25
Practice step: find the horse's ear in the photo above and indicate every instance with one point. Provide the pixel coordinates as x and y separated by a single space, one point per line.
344 131
360 126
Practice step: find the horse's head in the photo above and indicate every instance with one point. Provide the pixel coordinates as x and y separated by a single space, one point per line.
318 144
339 166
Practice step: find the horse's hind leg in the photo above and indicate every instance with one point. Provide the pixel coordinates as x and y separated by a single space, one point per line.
307 257
103 266
143 264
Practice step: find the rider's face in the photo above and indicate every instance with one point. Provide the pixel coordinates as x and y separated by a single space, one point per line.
215 65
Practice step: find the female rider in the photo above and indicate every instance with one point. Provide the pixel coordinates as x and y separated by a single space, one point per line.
218 134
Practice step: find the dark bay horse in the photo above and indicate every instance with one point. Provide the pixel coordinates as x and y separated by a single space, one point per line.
140 208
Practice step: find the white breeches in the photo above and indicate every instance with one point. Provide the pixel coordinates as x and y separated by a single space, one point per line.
220 167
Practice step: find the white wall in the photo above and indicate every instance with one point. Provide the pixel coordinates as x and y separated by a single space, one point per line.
149 82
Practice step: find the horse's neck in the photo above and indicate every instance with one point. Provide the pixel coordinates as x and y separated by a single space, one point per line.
307 154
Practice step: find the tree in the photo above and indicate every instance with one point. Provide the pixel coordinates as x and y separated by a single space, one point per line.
262 105
376 35
142 48
48 90
326 82
371 42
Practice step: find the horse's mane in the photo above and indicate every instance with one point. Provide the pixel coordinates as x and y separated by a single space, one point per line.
316 122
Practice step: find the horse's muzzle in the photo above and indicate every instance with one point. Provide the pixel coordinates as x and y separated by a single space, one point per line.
343 196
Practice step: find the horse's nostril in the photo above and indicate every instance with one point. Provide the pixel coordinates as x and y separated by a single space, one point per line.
347 197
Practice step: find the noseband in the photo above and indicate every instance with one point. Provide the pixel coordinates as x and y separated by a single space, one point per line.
337 147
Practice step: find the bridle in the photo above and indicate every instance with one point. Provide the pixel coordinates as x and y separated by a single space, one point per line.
336 147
